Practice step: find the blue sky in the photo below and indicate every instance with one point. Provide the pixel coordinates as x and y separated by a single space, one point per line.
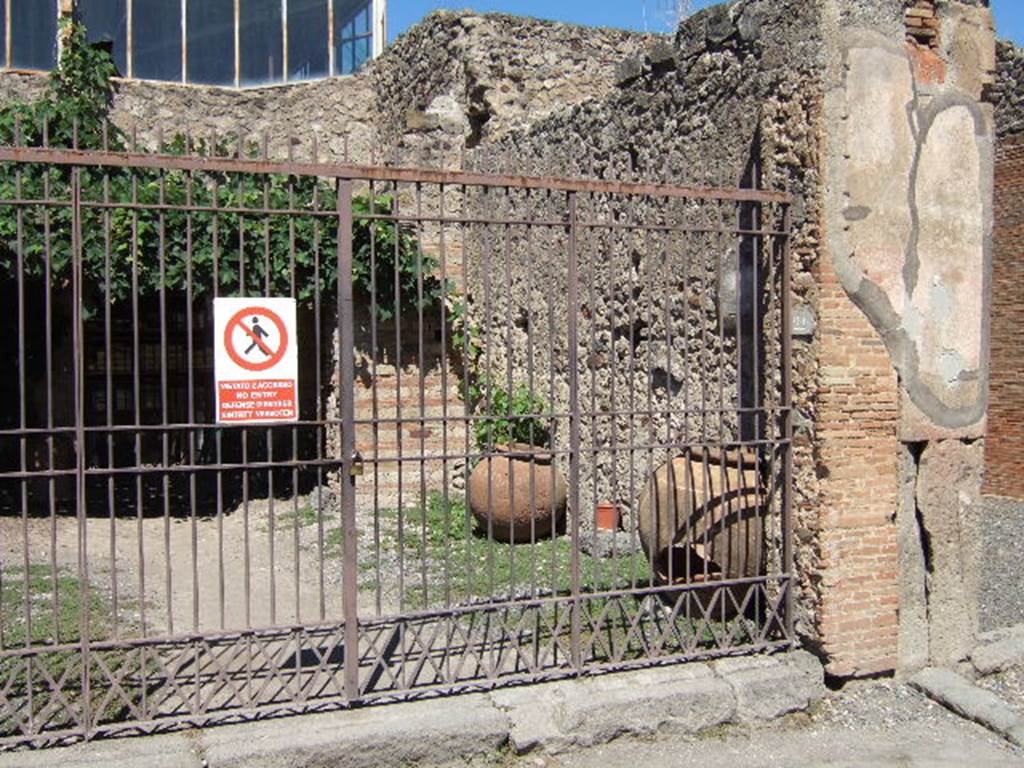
628 14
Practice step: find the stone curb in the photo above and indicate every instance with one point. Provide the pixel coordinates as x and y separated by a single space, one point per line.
552 717
999 651
431 731
960 695
687 699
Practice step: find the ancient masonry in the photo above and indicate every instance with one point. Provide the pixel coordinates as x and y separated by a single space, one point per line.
875 114
1005 445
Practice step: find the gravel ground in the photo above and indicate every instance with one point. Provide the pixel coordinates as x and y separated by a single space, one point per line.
1003 542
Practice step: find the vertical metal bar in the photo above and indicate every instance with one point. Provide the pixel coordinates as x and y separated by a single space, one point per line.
667 274
219 433
488 384
19 251
294 454
109 397
243 291
443 312
509 204
647 267
787 405
470 360
375 400
50 398
346 377
549 300
320 415
190 412
164 411
574 425
396 298
78 353
631 291
614 284
421 363
593 449
137 402
268 290
531 388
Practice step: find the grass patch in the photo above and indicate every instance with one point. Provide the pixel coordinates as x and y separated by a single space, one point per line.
48 624
463 563
287 518
28 678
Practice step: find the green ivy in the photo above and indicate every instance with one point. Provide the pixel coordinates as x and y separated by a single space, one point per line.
141 242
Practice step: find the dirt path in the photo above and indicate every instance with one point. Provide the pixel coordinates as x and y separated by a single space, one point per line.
183 575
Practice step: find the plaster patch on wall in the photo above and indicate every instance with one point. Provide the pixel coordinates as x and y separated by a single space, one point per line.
917 263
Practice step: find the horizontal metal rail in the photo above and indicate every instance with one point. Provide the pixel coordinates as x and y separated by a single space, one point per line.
208 164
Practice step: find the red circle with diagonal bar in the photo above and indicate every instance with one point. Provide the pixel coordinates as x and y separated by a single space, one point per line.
273 356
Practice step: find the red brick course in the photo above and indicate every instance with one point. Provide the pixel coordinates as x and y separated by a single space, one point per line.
858 450
1004 448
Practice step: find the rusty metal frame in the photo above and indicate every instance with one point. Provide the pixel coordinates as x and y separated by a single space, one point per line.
130 669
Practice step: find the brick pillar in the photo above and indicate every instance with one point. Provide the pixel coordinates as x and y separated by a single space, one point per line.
1004 450
858 417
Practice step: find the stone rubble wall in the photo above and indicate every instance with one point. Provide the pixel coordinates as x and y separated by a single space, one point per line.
733 99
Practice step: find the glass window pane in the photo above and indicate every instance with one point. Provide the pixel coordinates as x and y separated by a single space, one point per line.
34 34
353 34
3 29
157 39
106 22
211 42
307 39
260 40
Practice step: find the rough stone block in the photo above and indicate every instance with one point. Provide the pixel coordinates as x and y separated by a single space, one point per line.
594 711
772 688
628 70
990 658
809 664
662 54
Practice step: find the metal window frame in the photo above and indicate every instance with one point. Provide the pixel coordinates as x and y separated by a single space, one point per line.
378 34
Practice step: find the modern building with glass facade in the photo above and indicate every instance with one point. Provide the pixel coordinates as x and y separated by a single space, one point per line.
213 42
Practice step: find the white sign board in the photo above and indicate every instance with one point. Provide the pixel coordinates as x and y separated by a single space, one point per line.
256 361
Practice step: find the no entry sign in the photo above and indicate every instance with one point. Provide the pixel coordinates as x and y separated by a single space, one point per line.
256 362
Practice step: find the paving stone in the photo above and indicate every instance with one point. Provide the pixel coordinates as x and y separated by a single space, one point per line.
967 700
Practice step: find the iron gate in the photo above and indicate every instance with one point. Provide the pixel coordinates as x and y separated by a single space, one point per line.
630 342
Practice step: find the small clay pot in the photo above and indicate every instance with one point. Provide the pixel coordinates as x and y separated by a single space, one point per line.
517 495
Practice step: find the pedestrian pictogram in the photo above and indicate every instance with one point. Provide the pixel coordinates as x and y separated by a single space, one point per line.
256 338
256 361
